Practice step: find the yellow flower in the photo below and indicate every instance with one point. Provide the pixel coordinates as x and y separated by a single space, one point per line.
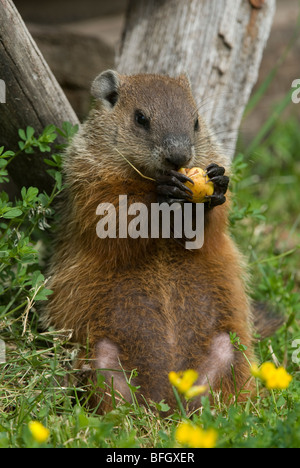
267 371
192 436
183 380
38 431
209 438
280 379
174 378
194 391
273 378
255 370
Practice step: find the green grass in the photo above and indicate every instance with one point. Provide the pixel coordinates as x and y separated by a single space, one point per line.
37 381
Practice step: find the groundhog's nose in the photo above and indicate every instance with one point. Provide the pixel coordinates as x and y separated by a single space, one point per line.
178 160
177 150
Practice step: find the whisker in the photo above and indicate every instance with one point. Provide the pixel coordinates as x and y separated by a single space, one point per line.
208 99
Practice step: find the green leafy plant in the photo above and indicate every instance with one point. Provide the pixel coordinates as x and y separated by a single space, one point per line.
21 278
38 382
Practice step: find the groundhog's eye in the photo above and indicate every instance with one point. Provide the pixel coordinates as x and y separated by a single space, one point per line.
141 119
196 125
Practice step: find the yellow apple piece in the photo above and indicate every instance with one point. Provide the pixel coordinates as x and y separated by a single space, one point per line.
202 187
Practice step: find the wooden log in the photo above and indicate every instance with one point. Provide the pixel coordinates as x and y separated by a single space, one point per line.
218 43
33 96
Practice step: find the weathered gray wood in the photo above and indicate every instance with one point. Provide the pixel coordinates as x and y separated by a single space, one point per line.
33 96
218 43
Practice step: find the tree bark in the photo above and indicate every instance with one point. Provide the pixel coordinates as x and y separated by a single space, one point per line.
218 43
33 96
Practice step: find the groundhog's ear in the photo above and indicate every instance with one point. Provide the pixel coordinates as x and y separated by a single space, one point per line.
184 79
106 88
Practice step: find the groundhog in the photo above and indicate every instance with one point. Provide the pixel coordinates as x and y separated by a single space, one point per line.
148 304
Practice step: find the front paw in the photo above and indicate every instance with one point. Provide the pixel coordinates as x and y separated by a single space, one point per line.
170 188
220 181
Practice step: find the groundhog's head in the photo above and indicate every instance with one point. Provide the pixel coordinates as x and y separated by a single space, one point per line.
151 119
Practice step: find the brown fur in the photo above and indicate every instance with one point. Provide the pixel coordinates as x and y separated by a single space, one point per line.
146 303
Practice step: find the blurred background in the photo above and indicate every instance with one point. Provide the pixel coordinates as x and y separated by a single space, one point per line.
78 40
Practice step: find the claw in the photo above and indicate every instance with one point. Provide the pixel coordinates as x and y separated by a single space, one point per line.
214 170
173 191
170 187
181 177
220 180
216 200
176 200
